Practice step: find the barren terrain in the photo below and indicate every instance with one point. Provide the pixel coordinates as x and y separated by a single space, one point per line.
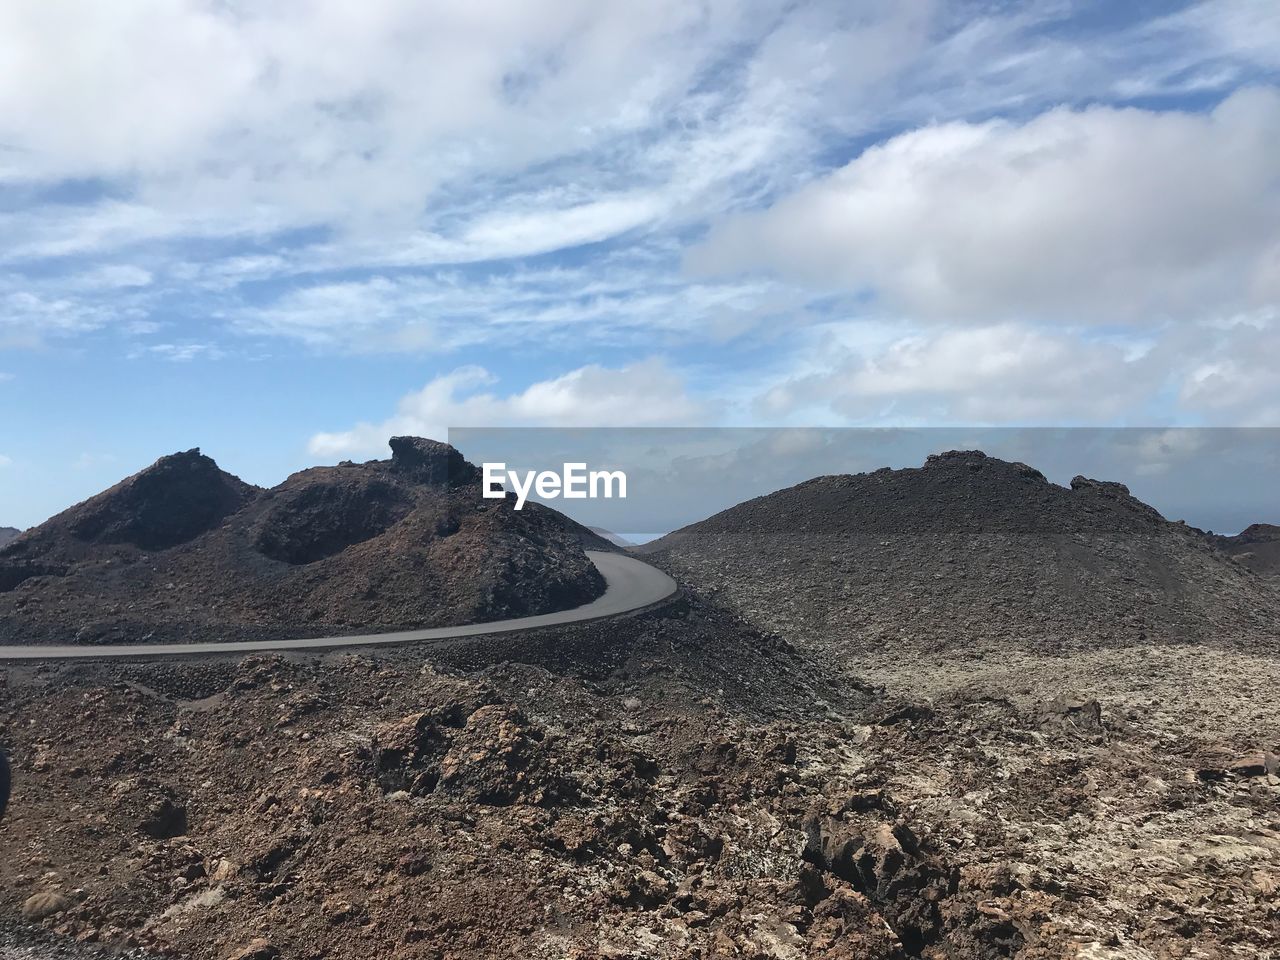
183 551
987 765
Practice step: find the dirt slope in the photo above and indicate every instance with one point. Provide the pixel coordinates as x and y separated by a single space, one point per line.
185 551
969 548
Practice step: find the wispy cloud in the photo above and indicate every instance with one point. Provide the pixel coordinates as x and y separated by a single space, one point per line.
180 352
623 302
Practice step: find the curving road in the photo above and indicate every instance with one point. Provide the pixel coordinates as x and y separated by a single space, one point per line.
630 585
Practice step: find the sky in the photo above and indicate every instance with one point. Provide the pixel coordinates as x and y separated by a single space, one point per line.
282 231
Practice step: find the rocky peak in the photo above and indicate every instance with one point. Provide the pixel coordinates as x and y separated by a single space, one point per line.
1118 492
1254 533
430 461
176 498
1107 488
975 461
948 458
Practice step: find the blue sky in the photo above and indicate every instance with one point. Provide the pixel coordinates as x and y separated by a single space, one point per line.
283 231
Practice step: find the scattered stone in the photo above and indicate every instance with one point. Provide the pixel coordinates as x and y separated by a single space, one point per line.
165 820
46 904
259 949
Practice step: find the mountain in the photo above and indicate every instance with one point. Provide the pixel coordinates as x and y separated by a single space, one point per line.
1257 547
183 550
968 548
615 539
8 533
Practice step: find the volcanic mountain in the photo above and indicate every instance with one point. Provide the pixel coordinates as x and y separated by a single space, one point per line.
1256 546
8 533
186 551
969 548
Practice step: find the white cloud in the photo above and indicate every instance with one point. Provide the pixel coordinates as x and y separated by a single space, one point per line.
642 394
433 133
1157 452
1229 375
372 176
999 374
114 276
5 461
330 110
180 352
1218 374
627 301
27 318
1099 215
34 312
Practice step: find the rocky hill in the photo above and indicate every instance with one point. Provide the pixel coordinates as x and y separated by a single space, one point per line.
673 784
970 548
185 551
8 533
1257 547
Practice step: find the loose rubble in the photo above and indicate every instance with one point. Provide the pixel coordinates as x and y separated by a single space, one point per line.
717 778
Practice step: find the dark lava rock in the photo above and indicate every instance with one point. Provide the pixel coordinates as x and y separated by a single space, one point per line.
969 550
174 500
429 461
165 820
1257 546
183 551
324 511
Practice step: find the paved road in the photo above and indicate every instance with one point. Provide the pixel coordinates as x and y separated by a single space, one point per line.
631 585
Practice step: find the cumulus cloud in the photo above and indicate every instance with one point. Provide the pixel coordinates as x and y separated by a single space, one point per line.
999 374
1096 215
643 394
1212 374
328 112
412 177
1228 375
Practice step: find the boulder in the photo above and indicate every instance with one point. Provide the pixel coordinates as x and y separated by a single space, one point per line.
430 461
45 904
